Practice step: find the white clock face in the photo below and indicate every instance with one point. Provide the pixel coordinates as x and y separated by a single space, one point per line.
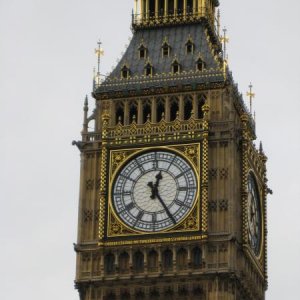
154 191
254 215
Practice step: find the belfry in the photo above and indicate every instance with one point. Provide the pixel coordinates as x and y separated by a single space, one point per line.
173 190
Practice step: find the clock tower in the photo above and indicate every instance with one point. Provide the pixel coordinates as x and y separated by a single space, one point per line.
173 190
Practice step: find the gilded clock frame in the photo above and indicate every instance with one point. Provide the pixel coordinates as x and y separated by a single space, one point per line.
116 228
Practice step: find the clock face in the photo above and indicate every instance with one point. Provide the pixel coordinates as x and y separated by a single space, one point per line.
154 191
254 215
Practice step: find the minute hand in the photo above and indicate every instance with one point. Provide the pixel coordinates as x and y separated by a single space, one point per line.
166 208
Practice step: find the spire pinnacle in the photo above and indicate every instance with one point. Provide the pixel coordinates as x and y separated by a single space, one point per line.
251 95
224 40
99 52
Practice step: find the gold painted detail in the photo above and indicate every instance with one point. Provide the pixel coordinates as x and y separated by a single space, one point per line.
116 228
155 132
155 241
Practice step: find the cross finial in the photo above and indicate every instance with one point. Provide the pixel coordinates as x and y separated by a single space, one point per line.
251 95
99 52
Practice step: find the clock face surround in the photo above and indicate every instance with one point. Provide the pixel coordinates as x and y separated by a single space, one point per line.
254 215
154 191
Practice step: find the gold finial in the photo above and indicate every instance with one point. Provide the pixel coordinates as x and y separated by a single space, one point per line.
99 52
251 95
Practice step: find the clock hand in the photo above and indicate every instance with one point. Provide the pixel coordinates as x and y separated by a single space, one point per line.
153 188
165 207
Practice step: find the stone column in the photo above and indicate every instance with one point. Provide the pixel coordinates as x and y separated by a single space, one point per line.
147 10
140 112
126 113
156 8
167 109
153 110
181 107
166 8
175 7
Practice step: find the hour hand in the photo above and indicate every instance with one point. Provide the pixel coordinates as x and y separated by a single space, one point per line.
151 185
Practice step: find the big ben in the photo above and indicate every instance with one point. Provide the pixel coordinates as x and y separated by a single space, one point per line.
173 189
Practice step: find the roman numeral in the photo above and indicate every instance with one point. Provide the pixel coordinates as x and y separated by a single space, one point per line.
130 206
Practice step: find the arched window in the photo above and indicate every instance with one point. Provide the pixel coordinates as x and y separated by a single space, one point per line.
148 69
200 65
125 72
161 8
133 112
175 67
188 107
174 108
152 261
196 258
142 52
171 7
189 6
146 112
181 259
120 113
109 263
180 7
201 102
138 262
189 46
160 109
124 262
165 49
152 8
167 260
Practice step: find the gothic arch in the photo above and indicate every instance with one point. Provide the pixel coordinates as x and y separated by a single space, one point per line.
124 262
181 259
120 112
152 261
167 260
133 111
109 263
160 109
196 258
174 108
146 111
188 107
138 262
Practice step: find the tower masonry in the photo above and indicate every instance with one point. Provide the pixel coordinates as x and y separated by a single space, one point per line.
173 190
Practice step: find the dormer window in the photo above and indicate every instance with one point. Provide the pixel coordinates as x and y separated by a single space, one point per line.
200 65
189 47
148 69
165 50
142 52
175 67
125 72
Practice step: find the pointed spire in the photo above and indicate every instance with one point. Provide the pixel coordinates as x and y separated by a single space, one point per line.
261 150
85 113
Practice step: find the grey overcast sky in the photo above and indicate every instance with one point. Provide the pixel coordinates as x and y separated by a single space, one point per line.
46 61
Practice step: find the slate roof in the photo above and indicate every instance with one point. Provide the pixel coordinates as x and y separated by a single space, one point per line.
153 39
